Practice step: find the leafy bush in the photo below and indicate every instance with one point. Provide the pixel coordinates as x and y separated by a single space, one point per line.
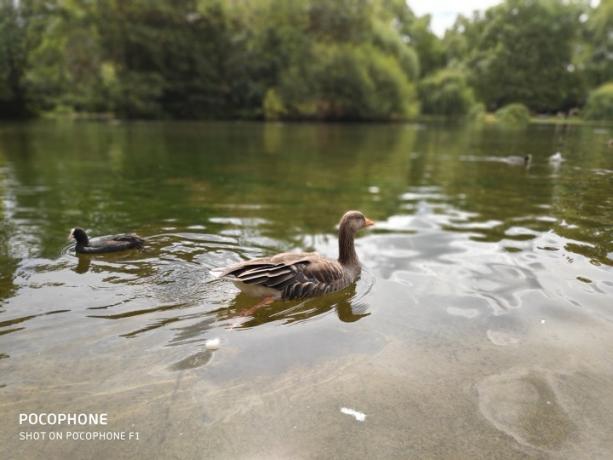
139 95
389 41
600 103
515 114
447 93
349 82
272 105
477 113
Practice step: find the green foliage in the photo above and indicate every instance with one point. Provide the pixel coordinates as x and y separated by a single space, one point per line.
12 62
389 41
349 82
273 105
341 60
513 114
477 113
598 44
347 59
63 67
600 103
522 51
446 93
321 59
428 46
139 95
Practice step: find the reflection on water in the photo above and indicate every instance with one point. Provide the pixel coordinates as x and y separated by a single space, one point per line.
485 296
346 304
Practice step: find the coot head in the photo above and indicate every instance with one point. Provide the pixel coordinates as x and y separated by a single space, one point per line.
79 235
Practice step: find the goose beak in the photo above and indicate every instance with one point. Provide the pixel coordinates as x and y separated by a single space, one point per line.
369 222
70 235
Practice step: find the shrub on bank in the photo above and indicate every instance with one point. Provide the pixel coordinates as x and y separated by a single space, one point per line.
446 93
273 105
347 82
513 114
600 103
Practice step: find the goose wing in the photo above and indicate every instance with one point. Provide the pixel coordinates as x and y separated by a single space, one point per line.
295 275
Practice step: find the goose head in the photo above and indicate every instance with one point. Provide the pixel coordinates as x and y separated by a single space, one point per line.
352 221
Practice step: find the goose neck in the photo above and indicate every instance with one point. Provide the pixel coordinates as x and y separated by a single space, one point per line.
346 247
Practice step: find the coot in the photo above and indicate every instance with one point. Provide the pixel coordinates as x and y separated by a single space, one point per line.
105 244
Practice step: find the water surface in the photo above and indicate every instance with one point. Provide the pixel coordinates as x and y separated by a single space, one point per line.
480 328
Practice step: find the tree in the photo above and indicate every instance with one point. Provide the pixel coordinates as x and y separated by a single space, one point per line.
447 93
598 43
428 46
522 51
339 60
64 60
600 103
12 62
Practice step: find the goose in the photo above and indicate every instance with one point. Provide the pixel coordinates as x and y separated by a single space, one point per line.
104 244
291 275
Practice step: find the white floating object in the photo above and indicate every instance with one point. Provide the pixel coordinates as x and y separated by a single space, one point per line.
359 416
556 158
542 321
212 344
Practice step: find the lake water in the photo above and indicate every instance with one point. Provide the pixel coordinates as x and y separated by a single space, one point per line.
482 325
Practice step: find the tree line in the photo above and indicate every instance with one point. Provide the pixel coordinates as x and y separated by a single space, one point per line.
301 59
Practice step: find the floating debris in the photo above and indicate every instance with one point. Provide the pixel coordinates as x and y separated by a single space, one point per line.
212 344
359 416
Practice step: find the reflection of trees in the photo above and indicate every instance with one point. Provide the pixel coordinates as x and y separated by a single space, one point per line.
500 196
489 194
304 175
582 194
133 176
280 182
11 243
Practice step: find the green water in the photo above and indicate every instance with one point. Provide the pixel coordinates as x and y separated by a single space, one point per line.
481 326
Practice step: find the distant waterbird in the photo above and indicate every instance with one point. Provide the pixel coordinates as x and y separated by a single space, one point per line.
104 244
514 160
556 158
292 275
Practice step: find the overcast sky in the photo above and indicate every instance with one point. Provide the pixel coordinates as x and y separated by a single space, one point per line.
444 12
